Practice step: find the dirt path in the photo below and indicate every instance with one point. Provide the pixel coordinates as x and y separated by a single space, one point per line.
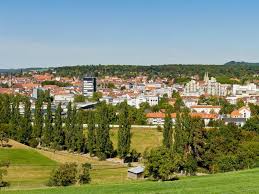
17 145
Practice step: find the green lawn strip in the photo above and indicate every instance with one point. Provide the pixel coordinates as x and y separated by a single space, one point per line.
233 182
27 157
28 168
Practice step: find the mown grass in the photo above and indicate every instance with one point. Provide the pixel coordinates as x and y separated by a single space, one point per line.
27 168
141 139
234 182
31 168
102 171
25 157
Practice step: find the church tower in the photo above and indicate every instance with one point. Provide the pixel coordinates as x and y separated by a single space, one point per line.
206 77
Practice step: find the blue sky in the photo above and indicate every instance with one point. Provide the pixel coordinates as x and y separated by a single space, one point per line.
37 33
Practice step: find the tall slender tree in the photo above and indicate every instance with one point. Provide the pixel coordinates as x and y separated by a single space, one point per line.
79 135
103 142
48 127
91 140
68 126
71 129
58 133
178 133
15 118
124 131
5 109
167 130
38 120
25 126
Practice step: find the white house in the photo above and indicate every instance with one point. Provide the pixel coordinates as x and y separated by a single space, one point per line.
244 90
64 98
243 112
205 109
158 118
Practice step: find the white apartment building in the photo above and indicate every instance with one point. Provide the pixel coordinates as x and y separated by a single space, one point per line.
249 89
192 88
62 98
209 86
151 100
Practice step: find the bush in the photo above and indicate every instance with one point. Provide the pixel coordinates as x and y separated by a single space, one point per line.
64 175
161 164
3 171
133 157
69 174
101 156
228 163
84 177
33 142
159 128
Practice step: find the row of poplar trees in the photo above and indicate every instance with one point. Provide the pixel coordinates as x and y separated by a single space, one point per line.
59 131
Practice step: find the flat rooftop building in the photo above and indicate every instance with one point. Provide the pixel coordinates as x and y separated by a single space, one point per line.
89 86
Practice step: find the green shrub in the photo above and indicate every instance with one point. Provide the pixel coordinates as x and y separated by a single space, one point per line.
64 175
3 171
84 176
33 142
228 163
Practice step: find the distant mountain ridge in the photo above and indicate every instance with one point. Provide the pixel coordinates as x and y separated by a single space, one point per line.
240 63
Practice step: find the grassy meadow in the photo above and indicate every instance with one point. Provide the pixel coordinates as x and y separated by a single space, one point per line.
28 168
141 139
233 182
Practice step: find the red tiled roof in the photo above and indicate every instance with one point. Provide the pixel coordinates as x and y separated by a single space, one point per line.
159 115
205 106
204 115
6 91
235 113
173 115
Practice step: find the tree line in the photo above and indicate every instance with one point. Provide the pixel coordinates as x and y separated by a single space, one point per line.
181 73
59 131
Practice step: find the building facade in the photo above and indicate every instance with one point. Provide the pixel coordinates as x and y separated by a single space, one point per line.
89 86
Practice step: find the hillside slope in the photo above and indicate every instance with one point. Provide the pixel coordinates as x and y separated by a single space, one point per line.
234 182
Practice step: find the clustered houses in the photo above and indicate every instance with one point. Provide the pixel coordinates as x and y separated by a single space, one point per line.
158 118
138 90
206 113
31 86
205 109
135 90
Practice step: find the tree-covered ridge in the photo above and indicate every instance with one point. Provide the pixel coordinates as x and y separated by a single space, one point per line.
169 71
240 63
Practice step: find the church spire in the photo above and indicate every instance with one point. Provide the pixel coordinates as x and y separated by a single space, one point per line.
206 77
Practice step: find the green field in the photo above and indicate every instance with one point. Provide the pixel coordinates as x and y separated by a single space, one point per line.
27 168
30 170
21 157
234 182
141 138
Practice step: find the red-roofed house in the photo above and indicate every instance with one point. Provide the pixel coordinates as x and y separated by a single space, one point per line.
158 118
243 112
205 109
